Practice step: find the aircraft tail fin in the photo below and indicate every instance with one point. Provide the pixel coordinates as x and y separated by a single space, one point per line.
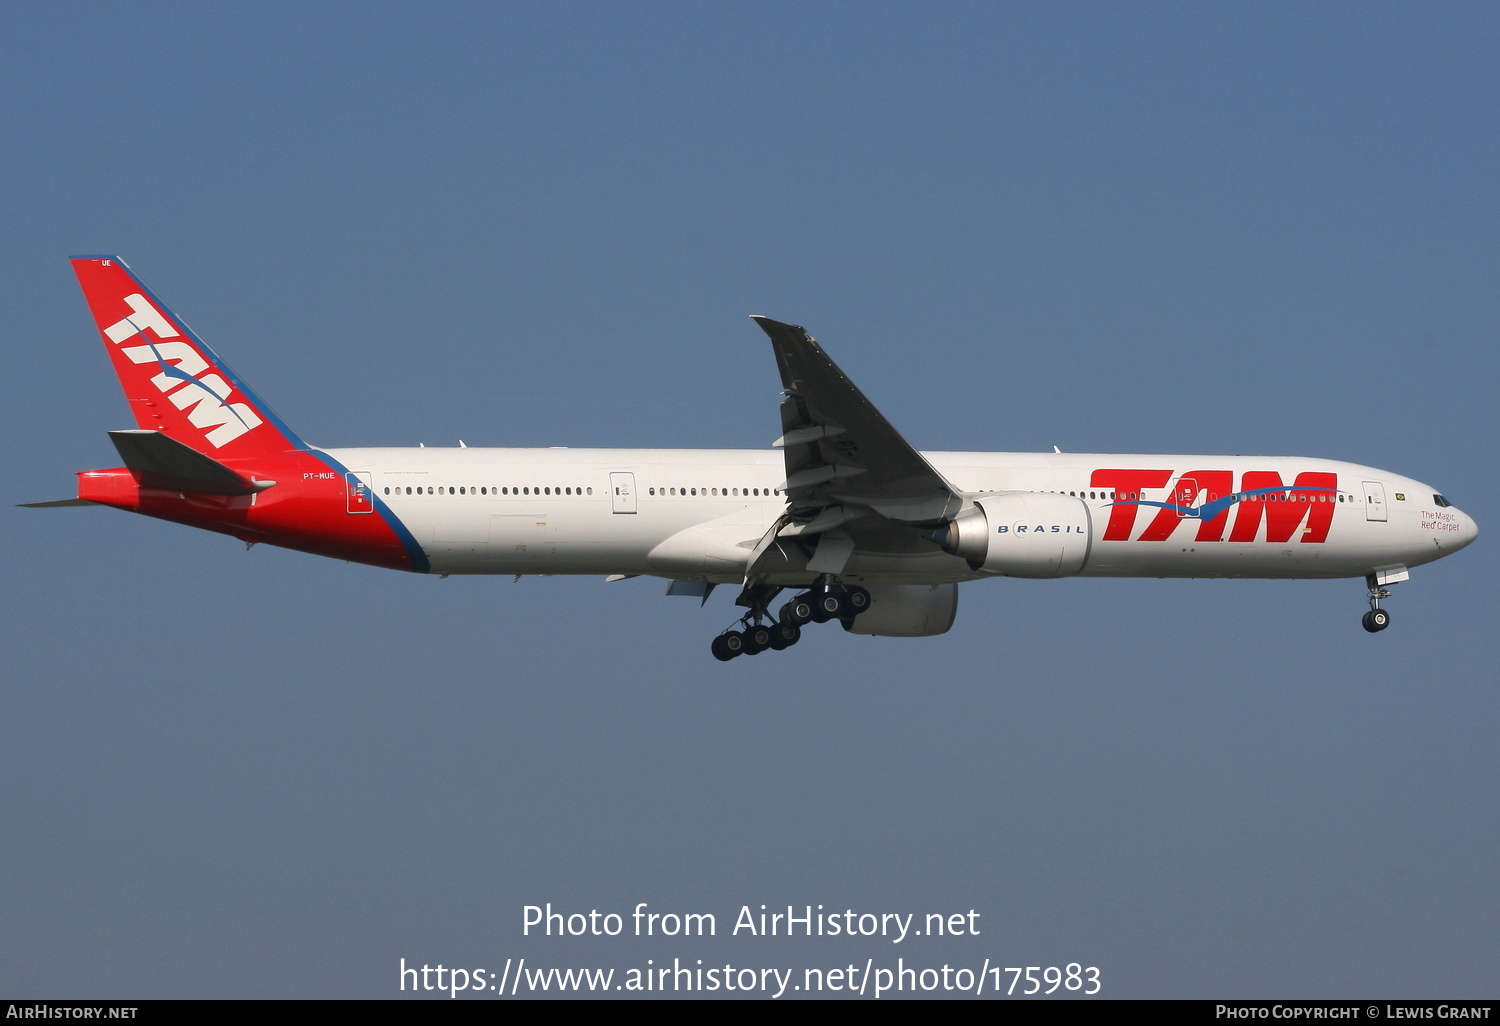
175 384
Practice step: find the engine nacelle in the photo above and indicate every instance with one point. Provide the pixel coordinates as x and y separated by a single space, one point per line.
907 610
1021 534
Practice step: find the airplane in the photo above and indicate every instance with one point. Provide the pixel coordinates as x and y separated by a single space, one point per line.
862 527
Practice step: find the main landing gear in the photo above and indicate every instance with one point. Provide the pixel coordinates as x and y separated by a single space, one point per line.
826 600
1376 619
755 639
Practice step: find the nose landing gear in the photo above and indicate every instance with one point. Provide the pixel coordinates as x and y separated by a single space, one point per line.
1378 619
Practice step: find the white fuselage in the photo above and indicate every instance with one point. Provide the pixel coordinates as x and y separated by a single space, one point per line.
699 513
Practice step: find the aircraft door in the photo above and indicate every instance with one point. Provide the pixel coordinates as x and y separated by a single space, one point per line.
1374 501
1184 494
622 492
357 492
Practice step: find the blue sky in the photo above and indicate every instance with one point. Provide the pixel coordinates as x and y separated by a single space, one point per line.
1205 228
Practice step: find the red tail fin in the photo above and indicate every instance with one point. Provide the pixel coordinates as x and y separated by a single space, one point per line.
175 383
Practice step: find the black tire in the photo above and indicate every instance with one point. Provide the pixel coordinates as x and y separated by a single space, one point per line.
734 643
757 640
785 635
1376 620
828 606
720 649
798 611
858 600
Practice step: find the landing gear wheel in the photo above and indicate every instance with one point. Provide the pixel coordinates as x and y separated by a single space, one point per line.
828 606
785 635
1377 619
727 645
757 640
853 602
798 611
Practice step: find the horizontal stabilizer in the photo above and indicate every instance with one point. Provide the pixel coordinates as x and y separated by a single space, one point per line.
58 502
164 462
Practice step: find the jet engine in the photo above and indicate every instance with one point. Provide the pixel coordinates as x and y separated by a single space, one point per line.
907 610
1021 534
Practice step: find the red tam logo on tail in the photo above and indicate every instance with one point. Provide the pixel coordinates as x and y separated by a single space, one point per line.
158 358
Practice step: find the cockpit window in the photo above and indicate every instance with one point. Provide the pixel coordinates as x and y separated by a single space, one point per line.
1441 501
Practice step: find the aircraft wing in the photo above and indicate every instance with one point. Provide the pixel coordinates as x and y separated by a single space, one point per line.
840 450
